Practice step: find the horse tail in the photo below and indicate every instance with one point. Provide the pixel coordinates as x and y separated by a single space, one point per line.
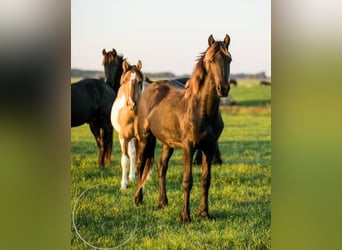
148 157
144 163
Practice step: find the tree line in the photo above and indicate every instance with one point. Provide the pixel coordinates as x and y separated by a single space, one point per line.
159 75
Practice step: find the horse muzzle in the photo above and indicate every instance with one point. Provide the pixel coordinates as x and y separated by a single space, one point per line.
223 90
131 104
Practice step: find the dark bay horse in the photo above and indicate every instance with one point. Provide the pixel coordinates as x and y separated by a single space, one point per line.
112 63
198 156
91 102
123 117
188 119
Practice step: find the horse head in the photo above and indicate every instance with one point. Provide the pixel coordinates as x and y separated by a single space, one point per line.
217 61
132 78
112 66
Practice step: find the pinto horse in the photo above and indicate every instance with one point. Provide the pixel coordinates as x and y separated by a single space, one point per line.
188 119
123 116
91 102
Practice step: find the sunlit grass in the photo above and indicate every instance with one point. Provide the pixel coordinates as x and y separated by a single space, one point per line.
239 197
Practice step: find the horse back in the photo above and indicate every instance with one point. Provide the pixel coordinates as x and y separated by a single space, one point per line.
91 100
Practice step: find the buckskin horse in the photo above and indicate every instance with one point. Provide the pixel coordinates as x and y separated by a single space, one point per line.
198 155
188 119
123 116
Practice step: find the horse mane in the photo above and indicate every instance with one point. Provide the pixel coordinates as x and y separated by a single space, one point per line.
197 77
112 66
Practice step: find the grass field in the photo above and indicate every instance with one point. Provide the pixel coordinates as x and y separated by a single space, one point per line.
239 196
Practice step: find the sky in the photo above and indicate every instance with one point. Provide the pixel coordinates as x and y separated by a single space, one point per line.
170 35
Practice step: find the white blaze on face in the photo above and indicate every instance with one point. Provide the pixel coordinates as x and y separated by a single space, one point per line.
132 78
133 75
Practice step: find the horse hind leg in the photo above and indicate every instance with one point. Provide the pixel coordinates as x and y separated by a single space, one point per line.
207 158
198 157
98 133
188 153
108 144
216 159
217 156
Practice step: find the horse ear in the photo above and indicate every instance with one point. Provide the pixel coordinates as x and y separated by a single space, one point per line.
139 64
227 40
125 65
114 52
104 52
211 40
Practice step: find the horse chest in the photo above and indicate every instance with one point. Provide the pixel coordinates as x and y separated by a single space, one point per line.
205 131
118 105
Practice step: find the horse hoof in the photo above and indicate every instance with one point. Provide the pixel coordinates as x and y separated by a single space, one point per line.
184 219
131 178
138 199
123 186
162 204
205 216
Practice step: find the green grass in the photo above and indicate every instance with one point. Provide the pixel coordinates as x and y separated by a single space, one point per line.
75 79
239 196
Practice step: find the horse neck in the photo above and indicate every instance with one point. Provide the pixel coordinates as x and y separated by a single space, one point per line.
113 82
207 99
122 91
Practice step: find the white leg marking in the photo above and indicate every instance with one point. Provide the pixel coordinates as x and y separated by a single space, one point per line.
132 157
124 165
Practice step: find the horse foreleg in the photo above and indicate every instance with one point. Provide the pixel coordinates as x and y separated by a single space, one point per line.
187 183
162 169
207 158
124 162
132 158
